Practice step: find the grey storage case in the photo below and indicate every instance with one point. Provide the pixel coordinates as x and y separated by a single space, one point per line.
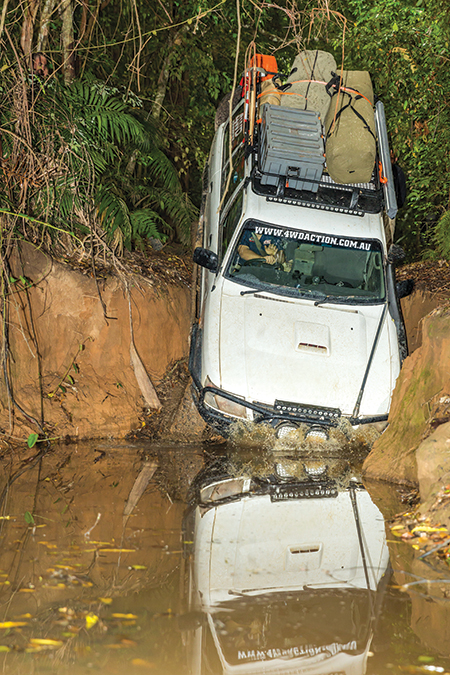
291 146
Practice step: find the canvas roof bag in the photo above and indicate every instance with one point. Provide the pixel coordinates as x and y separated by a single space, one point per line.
350 146
310 73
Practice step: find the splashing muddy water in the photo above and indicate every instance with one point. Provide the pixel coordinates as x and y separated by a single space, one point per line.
104 548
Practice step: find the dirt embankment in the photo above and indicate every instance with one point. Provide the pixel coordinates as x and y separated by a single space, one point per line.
414 449
85 350
420 404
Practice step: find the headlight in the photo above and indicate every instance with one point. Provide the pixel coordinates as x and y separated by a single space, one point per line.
285 470
285 428
317 433
224 488
315 469
223 404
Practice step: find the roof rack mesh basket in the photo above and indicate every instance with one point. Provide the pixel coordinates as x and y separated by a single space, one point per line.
291 147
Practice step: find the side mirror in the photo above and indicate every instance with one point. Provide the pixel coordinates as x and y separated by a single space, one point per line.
395 254
404 288
206 258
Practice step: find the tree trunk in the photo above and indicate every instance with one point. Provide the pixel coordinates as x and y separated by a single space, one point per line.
46 13
164 76
67 40
26 38
3 18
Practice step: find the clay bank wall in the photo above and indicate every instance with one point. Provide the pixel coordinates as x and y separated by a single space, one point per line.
69 367
415 447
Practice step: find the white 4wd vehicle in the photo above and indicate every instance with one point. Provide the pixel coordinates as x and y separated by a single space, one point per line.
297 317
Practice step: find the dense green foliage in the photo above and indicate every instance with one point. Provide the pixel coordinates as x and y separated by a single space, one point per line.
112 140
405 46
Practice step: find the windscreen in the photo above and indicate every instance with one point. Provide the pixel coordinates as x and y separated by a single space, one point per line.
303 625
309 264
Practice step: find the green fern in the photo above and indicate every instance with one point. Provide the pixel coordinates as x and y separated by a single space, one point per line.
145 224
161 168
177 206
114 213
82 140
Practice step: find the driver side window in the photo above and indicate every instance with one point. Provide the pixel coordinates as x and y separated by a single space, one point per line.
231 220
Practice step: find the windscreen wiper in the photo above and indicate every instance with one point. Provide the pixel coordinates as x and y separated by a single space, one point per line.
333 298
252 290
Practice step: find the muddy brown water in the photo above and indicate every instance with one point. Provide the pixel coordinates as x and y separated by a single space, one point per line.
110 564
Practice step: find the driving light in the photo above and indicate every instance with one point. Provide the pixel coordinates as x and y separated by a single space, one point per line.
315 469
317 433
285 429
284 470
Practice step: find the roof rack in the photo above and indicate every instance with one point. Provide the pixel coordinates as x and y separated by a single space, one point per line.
289 160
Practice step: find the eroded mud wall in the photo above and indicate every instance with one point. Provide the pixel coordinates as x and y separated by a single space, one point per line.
421 403
69 364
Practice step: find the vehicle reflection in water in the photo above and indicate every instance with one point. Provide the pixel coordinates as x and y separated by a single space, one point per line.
282 576
86 593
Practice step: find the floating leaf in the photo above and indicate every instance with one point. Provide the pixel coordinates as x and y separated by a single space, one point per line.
4 648
100 543
118 615
142 663
117 550
66 567
32 440
46 642
13 624
91 620
29 518
138 567
106 601
426 528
